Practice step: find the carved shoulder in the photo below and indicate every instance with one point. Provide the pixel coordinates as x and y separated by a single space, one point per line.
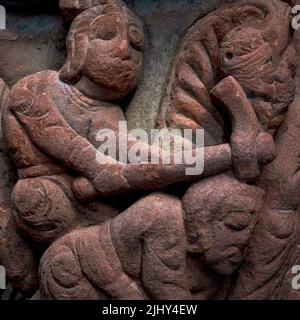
24 94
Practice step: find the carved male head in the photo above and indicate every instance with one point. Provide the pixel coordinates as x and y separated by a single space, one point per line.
105 44
220 213
267 79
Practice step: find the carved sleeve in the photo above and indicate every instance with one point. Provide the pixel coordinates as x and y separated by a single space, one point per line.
49 131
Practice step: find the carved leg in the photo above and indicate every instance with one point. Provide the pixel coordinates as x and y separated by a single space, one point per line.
84 265
42 210
16 256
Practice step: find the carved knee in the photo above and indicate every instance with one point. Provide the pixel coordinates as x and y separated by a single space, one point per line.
61 275
41 209
83 265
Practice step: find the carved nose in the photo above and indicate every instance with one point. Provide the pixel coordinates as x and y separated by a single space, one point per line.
124 50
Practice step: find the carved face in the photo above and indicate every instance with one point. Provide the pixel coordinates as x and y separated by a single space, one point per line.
220 214
267 80
114 58
246 56
229 233
240 44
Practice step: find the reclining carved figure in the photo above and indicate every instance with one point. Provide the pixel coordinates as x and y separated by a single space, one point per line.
144 253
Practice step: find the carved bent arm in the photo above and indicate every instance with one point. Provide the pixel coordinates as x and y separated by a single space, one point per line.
48 129
51 133
251 149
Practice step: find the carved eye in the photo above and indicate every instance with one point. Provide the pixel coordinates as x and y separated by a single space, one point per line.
135 37
106 30
238 220
229 55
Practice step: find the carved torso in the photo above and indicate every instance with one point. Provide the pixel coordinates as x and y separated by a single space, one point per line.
35 95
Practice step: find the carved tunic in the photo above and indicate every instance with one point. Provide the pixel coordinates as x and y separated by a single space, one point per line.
43 101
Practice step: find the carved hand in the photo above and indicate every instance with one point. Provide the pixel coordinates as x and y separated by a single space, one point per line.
251 148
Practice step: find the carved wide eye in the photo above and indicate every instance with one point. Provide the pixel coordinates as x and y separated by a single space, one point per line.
238 220
136 38
107 29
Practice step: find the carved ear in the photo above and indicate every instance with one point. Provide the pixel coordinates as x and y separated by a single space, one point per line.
200 245
77 48
198 233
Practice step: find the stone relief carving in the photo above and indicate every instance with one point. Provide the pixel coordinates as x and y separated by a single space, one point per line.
234 76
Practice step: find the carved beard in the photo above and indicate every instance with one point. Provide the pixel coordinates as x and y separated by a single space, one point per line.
112 73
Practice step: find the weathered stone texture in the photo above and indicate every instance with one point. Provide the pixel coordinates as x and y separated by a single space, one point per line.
72 227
